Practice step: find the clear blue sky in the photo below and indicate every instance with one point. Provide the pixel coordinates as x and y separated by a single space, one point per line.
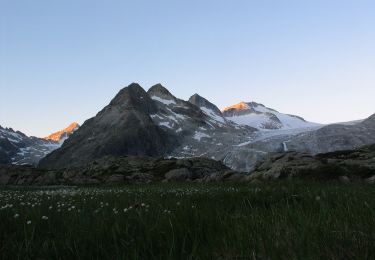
62 61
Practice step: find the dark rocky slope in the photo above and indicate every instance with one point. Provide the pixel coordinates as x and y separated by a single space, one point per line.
124 127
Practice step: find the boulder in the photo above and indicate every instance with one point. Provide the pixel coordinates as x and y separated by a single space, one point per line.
115 178
178 175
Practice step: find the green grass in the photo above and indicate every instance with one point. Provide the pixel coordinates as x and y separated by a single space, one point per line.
190 221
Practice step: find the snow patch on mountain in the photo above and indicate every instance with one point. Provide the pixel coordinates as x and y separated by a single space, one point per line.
164 101
199 135
213 115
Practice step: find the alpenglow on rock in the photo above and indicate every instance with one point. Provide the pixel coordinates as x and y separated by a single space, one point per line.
62 135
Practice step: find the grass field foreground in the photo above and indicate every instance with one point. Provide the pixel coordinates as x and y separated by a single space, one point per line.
298 220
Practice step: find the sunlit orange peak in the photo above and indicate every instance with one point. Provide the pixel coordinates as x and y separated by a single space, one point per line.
240 106
57 136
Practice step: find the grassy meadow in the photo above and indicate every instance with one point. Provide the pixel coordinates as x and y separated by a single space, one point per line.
284 220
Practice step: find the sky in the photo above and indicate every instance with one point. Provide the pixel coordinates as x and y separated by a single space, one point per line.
63 61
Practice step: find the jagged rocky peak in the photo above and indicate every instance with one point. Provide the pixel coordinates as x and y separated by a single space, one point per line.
132 97
207 107
159 93
122 128
200 102
63 134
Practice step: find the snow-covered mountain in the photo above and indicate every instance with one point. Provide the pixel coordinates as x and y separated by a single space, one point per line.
261 117
18 148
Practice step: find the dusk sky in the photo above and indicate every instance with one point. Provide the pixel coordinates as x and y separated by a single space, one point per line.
63 61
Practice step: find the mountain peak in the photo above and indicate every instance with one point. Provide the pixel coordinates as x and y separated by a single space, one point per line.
200 102
132 97
160 91
63 134
207 107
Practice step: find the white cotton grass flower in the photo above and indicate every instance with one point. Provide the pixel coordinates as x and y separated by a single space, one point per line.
44 217
16 215
28 222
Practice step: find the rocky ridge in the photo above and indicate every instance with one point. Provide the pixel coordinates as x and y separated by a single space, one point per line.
346 166
111 170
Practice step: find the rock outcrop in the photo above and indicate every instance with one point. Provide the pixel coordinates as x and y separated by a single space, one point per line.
114 170
346 165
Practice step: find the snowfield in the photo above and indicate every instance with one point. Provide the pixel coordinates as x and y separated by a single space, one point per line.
164 101
260 117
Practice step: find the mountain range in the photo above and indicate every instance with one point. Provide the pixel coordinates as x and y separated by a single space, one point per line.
155 123
18 148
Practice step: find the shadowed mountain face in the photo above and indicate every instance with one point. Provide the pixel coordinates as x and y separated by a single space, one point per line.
124 127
